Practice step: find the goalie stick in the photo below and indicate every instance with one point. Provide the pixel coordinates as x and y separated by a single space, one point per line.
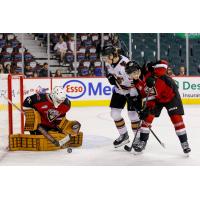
58 143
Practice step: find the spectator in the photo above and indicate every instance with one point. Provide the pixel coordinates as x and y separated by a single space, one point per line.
170 72
44 71
16 55
27 56
58 73
14 42
16 70
54 38
5 56
70 44
61 48
83 71
28 71
35 74
116 42
1 69
65 36
181 71
7 69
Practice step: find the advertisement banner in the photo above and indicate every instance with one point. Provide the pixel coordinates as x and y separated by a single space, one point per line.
189 88
90 91
86 91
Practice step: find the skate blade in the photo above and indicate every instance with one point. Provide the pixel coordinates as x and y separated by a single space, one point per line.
122 144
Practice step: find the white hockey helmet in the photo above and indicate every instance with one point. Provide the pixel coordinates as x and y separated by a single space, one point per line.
58 95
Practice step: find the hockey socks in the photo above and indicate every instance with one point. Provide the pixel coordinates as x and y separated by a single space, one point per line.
179 126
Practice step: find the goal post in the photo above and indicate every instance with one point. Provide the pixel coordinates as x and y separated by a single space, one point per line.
11 89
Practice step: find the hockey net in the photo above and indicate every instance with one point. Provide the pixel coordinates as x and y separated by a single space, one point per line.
11 119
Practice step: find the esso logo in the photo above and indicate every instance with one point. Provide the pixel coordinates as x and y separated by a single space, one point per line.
75 89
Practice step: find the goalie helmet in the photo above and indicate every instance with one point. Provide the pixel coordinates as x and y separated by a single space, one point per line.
131 67
58 95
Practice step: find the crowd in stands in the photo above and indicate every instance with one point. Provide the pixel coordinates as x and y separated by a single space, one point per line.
62 48
88 47
11 55
181 73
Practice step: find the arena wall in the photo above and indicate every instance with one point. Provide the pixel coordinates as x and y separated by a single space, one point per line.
91 91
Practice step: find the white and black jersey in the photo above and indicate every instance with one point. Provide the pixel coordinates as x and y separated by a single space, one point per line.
118 69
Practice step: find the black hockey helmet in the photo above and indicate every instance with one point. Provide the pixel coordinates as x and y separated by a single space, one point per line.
108 50
132 66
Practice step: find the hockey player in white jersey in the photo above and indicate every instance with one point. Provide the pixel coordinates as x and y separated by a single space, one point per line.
116 75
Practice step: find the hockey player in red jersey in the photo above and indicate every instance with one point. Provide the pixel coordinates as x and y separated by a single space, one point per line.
163 92
52 107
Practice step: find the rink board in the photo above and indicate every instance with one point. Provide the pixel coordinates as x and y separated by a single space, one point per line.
90 91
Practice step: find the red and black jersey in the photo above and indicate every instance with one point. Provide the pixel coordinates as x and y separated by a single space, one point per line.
50 116
164 91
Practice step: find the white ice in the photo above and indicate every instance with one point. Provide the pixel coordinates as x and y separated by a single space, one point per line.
99 133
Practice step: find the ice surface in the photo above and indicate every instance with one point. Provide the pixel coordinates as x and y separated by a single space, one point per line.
99 133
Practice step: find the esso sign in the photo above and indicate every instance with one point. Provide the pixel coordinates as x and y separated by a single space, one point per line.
75 89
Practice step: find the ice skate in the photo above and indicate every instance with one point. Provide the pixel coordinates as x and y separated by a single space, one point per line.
121 140
186 148
140 146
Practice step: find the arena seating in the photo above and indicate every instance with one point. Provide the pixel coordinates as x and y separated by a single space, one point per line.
144 49
11 53
172 48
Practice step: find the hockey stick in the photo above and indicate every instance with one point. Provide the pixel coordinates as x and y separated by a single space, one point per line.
10 102
126 147
58 143
161 143
129 148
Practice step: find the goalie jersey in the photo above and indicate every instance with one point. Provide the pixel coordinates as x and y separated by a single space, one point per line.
50 116
118 70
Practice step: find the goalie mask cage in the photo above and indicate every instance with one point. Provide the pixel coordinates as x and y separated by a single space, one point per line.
11 119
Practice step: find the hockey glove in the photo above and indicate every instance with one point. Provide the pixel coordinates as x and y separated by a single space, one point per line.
149 110
134 102
111 78
150 82
150 66
143 114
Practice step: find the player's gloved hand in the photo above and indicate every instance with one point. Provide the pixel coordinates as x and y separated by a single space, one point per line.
149 66
111 78
150 82
144 113
134 102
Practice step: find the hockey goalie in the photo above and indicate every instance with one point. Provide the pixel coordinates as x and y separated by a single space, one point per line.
46 114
